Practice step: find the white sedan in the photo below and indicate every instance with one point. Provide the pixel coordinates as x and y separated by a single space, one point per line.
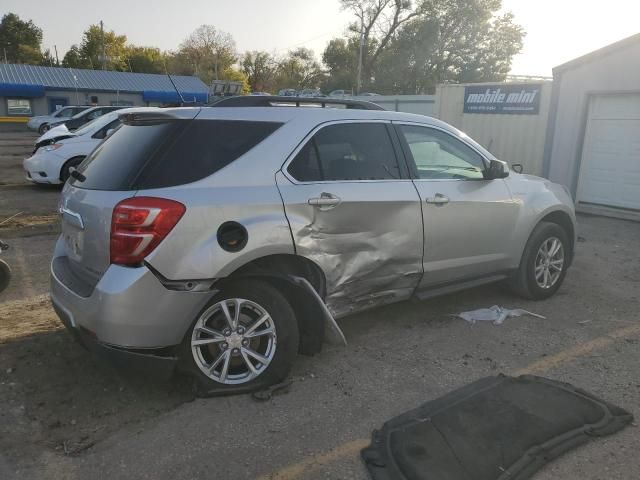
58 149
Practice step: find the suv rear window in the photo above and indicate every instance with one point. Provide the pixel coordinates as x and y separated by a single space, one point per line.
170 153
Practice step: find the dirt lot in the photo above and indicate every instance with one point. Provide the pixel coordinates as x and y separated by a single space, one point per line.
63 415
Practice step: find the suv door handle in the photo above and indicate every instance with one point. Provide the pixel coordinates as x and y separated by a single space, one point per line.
325 201
438 200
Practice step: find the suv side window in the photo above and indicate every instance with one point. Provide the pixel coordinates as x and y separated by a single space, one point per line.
347 152
438 155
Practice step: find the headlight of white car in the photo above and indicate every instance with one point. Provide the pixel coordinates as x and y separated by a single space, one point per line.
55 146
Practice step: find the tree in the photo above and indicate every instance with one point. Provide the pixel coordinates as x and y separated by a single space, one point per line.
145 59
210 52
377 21
73 59
299 69
19 40
450 41
90 49
260 68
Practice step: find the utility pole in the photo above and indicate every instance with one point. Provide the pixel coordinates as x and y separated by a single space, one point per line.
55 48
359 81
104 56
5 55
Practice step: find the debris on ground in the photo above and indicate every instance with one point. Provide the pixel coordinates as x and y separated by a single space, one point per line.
494 314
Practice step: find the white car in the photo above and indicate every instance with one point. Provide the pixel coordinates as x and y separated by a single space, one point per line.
41 122
59 149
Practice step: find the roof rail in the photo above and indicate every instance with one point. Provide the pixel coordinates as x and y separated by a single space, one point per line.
276 101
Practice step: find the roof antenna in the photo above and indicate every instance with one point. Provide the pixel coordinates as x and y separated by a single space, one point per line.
173 83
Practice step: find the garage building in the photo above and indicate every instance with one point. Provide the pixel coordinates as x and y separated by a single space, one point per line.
593 136
29 90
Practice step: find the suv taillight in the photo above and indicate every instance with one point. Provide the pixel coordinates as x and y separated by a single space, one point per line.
139 224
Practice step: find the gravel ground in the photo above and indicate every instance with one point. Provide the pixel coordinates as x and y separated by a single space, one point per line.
64 416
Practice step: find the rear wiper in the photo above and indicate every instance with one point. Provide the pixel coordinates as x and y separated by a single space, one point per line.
76 174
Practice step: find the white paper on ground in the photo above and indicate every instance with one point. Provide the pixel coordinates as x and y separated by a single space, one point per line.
495 314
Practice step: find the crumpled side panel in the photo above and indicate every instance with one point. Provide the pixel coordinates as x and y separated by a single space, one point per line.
369 246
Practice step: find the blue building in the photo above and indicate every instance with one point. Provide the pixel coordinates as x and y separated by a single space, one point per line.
29 90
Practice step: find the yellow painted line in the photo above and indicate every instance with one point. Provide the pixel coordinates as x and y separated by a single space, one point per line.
294 471
14 119
579 350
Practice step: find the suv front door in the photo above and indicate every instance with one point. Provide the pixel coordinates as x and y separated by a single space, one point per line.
354 211
469 221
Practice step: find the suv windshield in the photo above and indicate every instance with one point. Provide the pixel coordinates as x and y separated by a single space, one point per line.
169 153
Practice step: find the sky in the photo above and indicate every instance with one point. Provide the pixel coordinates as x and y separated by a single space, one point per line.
557 30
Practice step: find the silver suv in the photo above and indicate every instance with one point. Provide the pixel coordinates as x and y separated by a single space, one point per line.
225 240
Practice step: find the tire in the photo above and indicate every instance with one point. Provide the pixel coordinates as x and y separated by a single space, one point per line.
64 171
44 128
5 275
207 361
531 281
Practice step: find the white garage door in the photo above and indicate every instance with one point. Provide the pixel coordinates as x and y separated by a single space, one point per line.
610 168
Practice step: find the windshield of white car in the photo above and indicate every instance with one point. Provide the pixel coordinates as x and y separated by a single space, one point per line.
89 125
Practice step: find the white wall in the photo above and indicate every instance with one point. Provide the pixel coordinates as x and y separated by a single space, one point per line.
608 71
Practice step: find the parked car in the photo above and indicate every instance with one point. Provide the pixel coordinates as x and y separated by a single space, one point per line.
42 123
288 92
263 94
369 94
223 241
340 93
55 154
311 92
83 117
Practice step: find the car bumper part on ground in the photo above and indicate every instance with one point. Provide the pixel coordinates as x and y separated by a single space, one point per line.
128 308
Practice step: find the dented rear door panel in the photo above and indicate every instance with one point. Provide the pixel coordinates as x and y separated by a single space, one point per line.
368 240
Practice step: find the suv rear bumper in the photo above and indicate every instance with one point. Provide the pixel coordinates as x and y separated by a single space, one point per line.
127 309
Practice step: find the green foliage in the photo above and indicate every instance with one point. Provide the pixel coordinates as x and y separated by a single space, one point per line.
20 40
145 59
435 41
233 75
260 69
299 69
209 52
114 46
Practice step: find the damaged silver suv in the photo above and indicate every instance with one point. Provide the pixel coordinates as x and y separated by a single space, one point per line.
225 240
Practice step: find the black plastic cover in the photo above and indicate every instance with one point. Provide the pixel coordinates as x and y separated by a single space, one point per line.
496 428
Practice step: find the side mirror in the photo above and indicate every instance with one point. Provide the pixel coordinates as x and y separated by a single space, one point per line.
109 132
497 169
517 167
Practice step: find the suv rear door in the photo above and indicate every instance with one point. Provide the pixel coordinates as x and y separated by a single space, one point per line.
469 221
354 211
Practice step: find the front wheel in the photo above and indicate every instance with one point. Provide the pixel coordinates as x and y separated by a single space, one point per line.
44 128
246 338
544 262
5 275
65 172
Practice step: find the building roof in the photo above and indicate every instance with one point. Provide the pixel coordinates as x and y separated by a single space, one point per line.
96 80
597 54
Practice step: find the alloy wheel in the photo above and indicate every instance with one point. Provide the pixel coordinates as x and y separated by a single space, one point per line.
549 262
234 341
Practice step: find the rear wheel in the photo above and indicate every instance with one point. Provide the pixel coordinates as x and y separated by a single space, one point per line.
544 262
246 338
65 171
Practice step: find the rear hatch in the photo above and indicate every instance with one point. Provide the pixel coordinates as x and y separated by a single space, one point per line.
108 176
150 150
